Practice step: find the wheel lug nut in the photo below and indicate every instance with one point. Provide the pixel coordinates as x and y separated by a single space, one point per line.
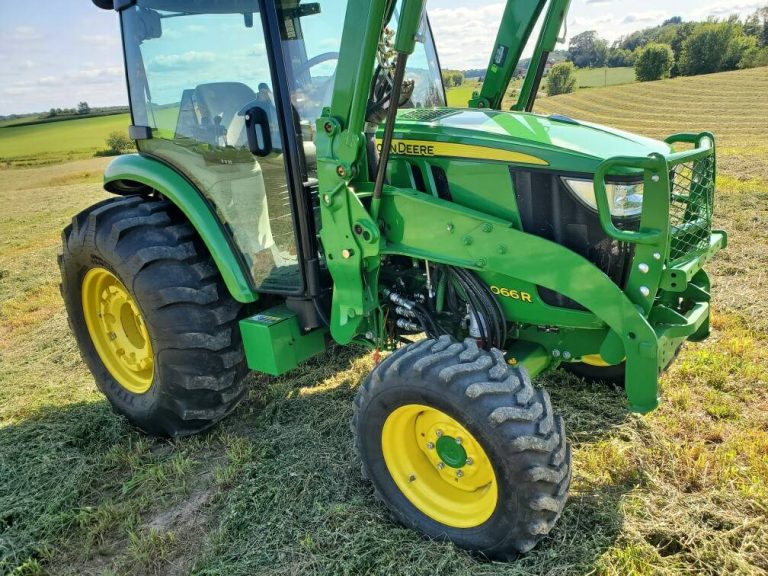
430 445
470 461
412 478
440 465
438 433
459 473
112 336
458 441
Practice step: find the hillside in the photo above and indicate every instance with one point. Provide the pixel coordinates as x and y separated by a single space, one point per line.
733 105
53 142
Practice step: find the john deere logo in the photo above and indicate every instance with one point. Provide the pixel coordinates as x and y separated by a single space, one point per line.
429 149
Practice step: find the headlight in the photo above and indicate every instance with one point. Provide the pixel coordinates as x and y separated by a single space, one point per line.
624 199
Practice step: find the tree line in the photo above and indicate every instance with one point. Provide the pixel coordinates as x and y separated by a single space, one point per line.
679 48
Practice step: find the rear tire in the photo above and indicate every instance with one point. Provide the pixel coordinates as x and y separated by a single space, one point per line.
147 249
456 386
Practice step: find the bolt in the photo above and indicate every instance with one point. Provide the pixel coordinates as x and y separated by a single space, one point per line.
430 446
481 263
459 473
327 199
351 313
112 336
556 353
655 178
328 127
347 253
644 268
487 227
449 228
370 335
656 256
501 249
566 355
358 229
438 433
440 465
470 461
645 291
341 171
467 240
458 441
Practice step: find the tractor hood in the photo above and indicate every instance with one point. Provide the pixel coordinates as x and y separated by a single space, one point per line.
557 143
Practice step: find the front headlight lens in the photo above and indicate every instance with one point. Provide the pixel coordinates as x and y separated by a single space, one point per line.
624 199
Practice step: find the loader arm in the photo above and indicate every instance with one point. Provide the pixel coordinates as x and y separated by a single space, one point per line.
515 30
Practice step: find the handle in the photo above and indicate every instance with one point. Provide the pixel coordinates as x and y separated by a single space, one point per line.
257 117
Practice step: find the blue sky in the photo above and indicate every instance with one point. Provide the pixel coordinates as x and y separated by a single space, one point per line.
57 53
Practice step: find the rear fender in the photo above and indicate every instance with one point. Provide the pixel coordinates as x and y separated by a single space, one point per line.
136 174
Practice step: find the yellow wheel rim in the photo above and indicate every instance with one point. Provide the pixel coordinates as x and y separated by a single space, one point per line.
439 466
594 360
117 330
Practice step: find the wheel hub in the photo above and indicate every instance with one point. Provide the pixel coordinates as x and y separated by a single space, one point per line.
439 466
117 330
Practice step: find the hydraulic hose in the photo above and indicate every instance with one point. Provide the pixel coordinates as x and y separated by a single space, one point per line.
389 128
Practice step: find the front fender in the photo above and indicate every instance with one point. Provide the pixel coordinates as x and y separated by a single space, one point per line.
141 173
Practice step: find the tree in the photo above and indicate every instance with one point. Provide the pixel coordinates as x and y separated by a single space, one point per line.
682 33
619 58
654 62
713 47
83 108
118 142
561 79
588 50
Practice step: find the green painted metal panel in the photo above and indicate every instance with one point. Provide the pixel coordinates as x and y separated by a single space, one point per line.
175 188
274 342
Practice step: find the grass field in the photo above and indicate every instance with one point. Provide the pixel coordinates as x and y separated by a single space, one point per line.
276 488
40 144
586 78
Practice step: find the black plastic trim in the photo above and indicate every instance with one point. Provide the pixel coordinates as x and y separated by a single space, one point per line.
120 5
139 132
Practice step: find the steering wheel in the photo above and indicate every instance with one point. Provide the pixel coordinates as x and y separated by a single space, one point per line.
314 61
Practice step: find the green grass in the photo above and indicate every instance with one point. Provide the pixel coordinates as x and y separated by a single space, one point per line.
276 488
587 78
594 77
40 144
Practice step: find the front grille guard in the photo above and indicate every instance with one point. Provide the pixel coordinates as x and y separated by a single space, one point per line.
676 222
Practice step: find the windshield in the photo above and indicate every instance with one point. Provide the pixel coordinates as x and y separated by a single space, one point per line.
311 45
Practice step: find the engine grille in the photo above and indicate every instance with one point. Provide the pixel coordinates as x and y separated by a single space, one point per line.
691 204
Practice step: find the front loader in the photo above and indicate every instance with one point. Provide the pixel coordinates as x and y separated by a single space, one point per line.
301 182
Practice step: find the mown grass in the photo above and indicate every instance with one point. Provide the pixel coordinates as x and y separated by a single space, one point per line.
276 488
41 144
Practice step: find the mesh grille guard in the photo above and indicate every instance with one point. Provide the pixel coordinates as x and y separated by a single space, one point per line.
691 207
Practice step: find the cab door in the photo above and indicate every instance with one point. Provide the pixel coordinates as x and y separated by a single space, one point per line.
199 73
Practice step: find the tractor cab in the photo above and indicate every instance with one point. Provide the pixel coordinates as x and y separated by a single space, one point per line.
229 94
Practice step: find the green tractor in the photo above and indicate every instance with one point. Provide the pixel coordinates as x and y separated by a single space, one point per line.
300 181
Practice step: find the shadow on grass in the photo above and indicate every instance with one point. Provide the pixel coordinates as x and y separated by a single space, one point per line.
290 498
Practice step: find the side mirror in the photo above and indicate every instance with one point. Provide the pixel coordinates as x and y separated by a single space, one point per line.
257 131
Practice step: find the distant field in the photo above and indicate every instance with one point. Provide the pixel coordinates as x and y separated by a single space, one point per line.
276 488
592 77
587 78
57 142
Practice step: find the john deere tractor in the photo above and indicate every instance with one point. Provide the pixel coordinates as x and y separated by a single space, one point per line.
301 182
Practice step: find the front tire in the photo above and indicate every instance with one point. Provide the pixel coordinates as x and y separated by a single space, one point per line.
151 315
498 483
